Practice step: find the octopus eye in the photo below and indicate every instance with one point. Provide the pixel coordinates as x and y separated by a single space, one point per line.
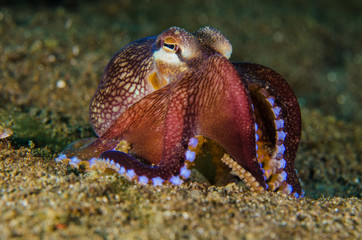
170 45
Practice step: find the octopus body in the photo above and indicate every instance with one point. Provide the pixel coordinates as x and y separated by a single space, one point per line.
160 97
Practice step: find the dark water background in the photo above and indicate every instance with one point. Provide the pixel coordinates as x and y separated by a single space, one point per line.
316 45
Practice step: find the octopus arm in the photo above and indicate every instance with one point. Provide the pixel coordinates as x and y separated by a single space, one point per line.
158 136
225 113
278 115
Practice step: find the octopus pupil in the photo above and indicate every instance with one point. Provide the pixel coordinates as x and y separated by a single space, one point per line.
170 46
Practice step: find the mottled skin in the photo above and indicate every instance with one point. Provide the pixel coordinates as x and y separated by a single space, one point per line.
159 92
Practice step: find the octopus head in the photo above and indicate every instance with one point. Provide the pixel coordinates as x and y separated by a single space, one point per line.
176 52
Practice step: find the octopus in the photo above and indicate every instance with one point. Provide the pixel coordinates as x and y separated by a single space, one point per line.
162 97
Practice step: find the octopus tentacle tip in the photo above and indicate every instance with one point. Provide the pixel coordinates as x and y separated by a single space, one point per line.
159 95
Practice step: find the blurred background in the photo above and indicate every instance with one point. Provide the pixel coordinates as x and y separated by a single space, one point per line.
315 45
53 54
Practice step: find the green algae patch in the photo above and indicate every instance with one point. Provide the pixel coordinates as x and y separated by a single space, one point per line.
36 129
